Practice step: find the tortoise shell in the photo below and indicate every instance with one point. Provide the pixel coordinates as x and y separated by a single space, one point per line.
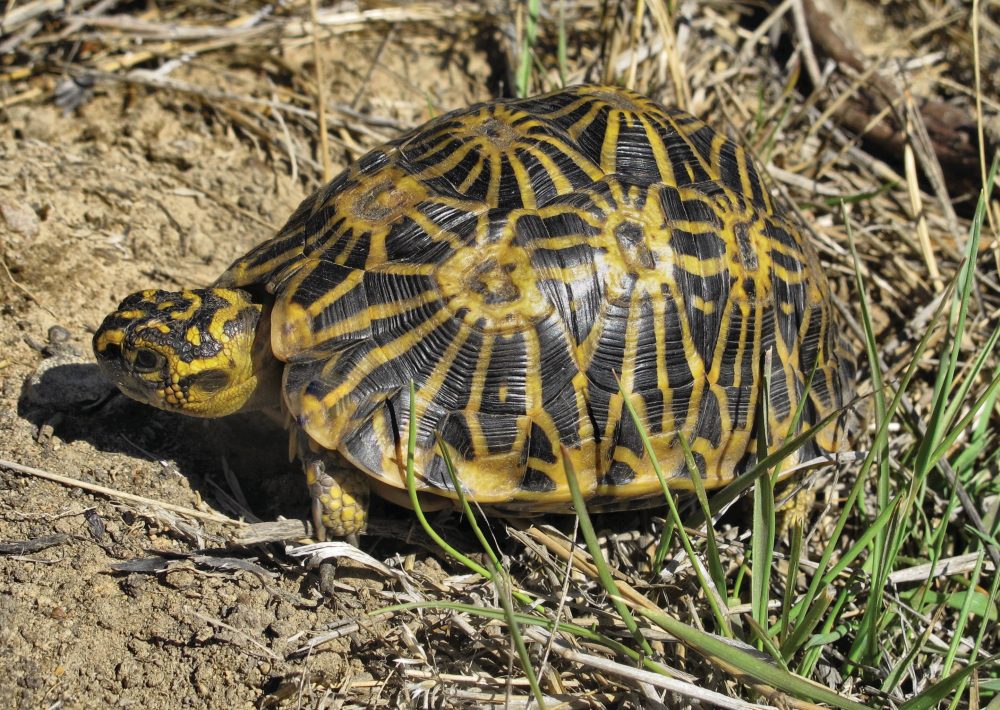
526 262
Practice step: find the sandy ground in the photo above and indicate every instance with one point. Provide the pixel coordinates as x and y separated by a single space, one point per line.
141 189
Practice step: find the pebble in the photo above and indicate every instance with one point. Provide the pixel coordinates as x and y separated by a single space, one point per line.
19 218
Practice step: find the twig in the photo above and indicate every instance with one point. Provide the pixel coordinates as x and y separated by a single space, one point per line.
113 493
365 83
959 564
680 687
808 53
580 561
11 21
24 289
170 32
949 128
918 215
77 22
274 531
749 48
324 138
24 547
268 653
637 18
289 144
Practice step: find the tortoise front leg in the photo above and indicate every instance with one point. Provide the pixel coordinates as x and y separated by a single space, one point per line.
339 493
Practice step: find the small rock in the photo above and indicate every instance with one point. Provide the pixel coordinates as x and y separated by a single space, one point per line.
283 629
45 433
57 335
19 219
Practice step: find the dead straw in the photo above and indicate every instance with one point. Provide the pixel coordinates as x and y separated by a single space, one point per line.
117 494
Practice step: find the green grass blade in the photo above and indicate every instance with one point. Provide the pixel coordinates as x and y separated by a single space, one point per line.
861 196
877 561
501 581
714 596
581 632
883 519
603 571
814 652
527 60
762 539
748 663
937 693
981 433
464 501
742 482
901 666
974 410
715 570
794 557
810 620
474 522
766 641
503 593
958 398
963 617
852 497
948 364
411 488
987 623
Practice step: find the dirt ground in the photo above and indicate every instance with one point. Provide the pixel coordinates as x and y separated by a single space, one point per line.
141 189
107 601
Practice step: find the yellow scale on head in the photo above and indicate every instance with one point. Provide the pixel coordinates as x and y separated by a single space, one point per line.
195 346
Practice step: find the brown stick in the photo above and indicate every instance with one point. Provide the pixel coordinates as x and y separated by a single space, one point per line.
122 495
950 129
324 138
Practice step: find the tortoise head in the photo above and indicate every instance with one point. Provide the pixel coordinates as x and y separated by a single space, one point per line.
203 352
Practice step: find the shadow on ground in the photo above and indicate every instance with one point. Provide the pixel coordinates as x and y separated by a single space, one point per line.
71 400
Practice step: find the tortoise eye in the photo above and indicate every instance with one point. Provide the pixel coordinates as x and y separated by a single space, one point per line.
147 360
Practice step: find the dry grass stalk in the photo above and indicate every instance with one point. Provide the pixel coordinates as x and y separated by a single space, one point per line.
324 138
117 494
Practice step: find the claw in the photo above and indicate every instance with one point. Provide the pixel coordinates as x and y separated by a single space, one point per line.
319 529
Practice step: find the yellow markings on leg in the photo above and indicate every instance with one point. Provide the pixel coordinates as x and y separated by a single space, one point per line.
340 495
795 511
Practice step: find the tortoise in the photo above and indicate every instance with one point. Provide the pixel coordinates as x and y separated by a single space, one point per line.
526 264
